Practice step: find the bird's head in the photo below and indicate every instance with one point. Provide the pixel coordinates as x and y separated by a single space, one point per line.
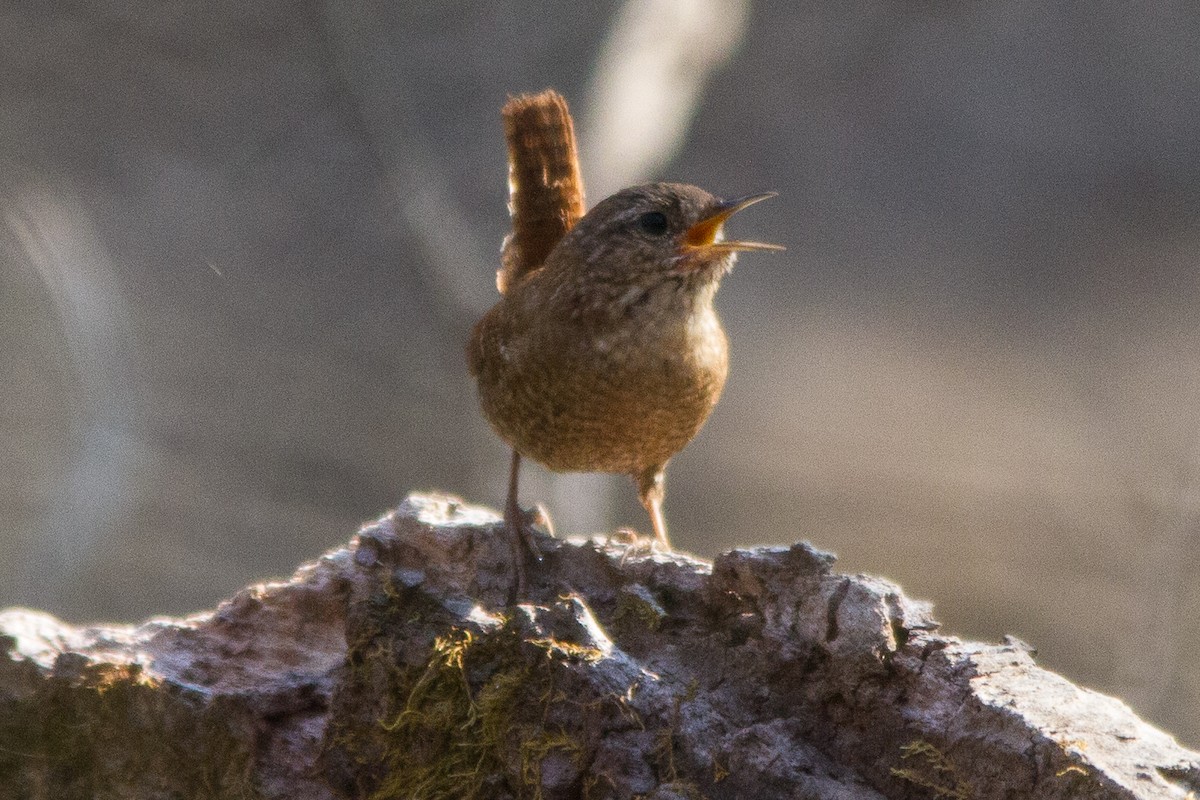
656 232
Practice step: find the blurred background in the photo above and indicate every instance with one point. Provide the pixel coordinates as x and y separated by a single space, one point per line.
242 243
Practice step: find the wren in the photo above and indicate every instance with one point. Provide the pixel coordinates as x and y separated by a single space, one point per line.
610 356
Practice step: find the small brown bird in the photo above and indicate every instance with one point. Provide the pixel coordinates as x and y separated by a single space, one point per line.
610 356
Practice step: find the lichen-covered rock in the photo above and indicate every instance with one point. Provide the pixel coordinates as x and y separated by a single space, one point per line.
394 669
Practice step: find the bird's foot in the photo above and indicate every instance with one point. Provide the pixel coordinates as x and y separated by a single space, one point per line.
519 526
633 544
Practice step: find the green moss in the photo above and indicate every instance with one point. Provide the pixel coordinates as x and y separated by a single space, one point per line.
463 725
636 607
111 731
534 751
665 752
478 712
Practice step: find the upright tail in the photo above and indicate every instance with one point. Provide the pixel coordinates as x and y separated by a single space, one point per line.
544 184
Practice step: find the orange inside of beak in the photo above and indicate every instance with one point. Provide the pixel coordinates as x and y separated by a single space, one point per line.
705 232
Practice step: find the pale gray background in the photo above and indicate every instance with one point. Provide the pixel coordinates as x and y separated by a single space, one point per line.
241 245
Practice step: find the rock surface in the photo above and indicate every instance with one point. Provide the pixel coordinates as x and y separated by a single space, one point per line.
392 668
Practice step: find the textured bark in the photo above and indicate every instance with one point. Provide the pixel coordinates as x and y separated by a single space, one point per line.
391 668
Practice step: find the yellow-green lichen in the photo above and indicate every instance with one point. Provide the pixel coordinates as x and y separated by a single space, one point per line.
932 770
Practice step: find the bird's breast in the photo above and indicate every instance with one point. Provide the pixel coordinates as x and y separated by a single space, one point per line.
619 396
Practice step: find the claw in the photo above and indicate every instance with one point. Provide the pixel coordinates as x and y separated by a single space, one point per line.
634 545
519 524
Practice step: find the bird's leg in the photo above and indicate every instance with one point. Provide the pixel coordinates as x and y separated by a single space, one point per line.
518 525
651 491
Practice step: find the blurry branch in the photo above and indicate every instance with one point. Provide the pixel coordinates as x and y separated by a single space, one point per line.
648 83
450 262
57 241
1174 531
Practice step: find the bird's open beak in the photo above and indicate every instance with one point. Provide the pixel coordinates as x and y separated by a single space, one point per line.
706 233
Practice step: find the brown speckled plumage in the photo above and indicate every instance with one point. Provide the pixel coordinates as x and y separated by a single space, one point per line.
610 357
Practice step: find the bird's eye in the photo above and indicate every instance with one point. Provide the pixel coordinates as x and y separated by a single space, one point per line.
653 223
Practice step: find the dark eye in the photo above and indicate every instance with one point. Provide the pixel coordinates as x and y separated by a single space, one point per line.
653 223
